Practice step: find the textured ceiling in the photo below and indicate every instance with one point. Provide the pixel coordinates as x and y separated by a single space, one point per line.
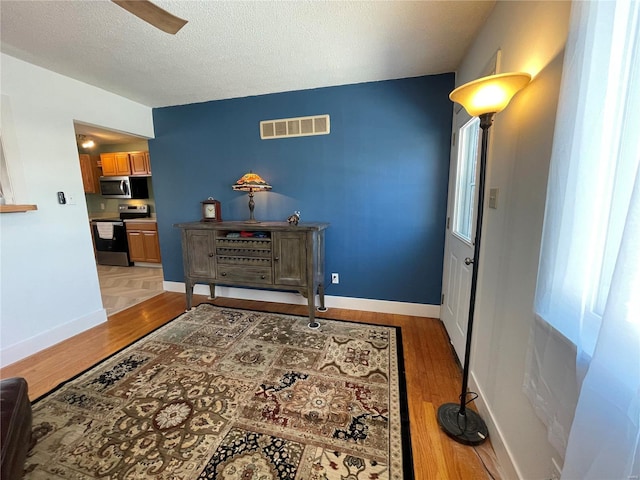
235 49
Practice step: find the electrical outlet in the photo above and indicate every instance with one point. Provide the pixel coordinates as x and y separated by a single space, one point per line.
335 278
493 197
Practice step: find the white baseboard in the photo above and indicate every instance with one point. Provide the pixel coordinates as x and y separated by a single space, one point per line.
364 304
32 345
508 469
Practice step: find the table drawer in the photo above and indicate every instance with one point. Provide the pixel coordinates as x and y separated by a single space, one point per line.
234 273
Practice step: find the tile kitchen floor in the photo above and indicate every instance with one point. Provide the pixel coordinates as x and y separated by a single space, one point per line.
123 287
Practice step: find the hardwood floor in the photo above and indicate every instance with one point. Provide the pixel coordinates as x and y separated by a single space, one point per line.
432 374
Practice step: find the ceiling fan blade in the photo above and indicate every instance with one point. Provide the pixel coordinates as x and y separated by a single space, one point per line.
153 14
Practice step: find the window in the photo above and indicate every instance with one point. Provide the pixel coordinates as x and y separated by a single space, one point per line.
589 272
593 168
466 179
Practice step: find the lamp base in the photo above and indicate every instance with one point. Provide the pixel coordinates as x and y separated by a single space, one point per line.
467 428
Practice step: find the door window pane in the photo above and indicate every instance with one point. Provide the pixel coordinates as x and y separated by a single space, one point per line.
466 179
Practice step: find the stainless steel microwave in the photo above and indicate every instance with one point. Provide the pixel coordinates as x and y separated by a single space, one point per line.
124 187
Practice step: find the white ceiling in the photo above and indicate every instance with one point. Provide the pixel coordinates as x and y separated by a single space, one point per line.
235 49
103 136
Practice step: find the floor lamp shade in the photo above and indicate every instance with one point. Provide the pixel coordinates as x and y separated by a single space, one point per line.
483 98
489 94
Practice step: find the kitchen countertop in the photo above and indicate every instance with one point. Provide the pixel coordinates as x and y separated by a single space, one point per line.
140 220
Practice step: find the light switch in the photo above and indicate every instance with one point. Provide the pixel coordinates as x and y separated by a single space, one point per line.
493 197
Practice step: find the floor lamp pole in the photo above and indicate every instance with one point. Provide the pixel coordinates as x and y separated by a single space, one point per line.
466 426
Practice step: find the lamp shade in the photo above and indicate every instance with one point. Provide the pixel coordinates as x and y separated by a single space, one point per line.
489 94
251 182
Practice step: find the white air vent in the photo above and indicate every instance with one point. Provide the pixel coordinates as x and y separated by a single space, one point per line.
295 127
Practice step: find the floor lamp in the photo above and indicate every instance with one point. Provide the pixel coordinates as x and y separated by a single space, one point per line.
481 98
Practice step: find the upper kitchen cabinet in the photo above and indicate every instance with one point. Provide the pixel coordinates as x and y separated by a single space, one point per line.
125 163
114 164
140 163
90 173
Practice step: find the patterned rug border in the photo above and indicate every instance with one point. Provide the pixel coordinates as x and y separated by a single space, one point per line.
407 450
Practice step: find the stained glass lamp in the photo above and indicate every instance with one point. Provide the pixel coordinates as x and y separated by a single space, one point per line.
251 182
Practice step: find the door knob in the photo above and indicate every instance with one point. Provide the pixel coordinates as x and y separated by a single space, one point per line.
468 261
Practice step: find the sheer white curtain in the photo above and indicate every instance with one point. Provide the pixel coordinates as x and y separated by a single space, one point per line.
589 273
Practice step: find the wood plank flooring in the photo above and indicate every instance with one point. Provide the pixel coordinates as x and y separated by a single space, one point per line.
432 373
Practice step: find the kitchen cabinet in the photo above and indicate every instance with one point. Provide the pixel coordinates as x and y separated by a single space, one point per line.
140 163
125 163
273 255
115 164
143 242
90 173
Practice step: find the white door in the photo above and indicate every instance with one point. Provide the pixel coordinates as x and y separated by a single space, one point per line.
461 209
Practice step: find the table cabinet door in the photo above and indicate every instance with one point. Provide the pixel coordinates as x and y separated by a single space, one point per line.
201 253
290 258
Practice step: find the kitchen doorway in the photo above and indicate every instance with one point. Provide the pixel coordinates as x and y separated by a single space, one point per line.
121 286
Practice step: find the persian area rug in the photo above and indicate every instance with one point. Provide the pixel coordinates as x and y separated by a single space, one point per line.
220 393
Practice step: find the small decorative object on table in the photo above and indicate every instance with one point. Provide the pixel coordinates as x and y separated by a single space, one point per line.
211 210
294 219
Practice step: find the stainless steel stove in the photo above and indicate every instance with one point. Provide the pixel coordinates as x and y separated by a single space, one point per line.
110 235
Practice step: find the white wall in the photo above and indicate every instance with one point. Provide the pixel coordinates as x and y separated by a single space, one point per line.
48 279
531 36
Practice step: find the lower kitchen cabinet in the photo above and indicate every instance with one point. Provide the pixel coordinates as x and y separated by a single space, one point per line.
143 242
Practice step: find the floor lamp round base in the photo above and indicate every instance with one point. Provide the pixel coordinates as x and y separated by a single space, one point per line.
468 428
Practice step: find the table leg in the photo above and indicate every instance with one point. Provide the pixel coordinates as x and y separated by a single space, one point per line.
322 307
311 298
188 292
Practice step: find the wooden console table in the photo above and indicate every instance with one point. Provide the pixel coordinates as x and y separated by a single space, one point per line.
272 255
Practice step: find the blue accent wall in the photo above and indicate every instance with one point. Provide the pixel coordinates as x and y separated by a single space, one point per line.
379 178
